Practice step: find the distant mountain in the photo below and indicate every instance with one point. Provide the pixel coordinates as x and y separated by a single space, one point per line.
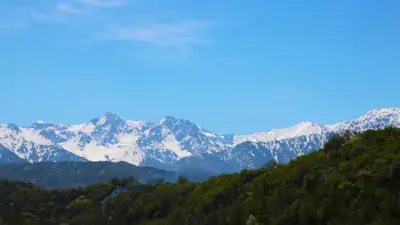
175 144
29 145
74 174
7 156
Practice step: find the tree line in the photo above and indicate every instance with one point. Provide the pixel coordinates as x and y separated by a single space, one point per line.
354 179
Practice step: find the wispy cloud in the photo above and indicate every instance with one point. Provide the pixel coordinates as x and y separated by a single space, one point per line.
99 19
177 34
79 6
45 18
103 3
68 8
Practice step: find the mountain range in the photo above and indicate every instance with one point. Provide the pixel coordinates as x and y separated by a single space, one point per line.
173 143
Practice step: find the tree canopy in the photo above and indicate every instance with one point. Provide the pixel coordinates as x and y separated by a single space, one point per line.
353 180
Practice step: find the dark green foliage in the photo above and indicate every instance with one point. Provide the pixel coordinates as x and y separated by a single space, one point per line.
354 180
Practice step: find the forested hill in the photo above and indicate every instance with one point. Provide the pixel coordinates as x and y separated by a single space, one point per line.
74 174
351 181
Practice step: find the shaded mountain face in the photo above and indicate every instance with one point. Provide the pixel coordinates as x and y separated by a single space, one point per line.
74 174
175 144
7 156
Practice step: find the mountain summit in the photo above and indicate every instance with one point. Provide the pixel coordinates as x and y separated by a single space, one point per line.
173 143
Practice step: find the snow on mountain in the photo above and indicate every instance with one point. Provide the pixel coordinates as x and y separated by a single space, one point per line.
34 136
174 143
29 145
374 119
289 143
301 129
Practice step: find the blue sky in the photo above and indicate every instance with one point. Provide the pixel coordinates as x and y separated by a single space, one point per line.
230 66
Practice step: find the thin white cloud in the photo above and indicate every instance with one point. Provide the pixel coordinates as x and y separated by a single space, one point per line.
45 18
85 15
80 6
63 10
178 34
68 8
103 3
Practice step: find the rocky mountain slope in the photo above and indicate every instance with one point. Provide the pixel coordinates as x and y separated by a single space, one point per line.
172 143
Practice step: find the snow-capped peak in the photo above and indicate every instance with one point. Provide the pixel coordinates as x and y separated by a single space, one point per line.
179 125
173 141
110 118
135 123
170 120
305 124
13 127
86 128
381 112
374 119
301 129
41 125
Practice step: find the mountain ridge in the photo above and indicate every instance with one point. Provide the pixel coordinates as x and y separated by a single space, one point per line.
175 143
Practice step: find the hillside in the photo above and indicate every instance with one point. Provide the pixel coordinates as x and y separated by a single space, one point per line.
75 174
174 144
350 181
